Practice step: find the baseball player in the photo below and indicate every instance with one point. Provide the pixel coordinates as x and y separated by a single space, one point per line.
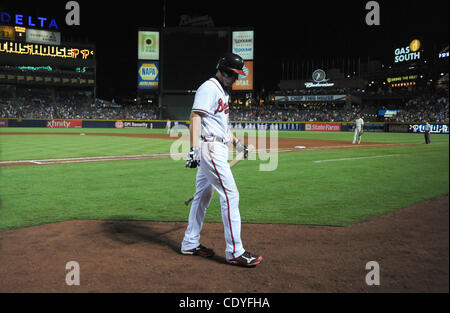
426 131
359 123
209 135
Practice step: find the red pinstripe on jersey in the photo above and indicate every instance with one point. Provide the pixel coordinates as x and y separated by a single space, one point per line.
228 202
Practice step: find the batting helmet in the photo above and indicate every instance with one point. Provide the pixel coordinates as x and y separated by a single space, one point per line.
231 64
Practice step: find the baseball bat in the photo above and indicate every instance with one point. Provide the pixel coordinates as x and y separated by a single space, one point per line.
238 158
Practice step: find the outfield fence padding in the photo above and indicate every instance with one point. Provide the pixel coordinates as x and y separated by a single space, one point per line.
437 128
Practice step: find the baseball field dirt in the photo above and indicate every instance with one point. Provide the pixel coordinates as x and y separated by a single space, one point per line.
411 246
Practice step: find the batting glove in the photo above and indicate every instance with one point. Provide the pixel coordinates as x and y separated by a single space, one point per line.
193 158
241 147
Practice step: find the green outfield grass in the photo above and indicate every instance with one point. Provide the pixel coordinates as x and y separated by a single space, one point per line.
349 186
35 147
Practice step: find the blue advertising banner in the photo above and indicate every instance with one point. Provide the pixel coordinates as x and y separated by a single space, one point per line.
148 75
435 128
27 123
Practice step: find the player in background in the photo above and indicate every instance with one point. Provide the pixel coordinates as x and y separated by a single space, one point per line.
209 136
168 125
359 124
426 131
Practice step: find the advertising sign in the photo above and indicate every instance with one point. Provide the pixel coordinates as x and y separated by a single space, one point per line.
245 82
7 33
408 53
148 75
64 123
148 45
27 20
43 36
3 123
388 113
319 80
243 42
328 127
312 98
435 128
134 124
45 50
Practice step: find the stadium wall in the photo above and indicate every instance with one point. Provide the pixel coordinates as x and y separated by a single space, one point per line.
437 128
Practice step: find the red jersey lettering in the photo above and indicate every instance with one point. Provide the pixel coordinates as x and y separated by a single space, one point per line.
222 107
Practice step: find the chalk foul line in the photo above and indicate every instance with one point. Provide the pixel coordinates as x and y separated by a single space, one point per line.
357 158
175 156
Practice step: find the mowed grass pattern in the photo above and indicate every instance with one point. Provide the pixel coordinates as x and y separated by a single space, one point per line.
299 191
35 147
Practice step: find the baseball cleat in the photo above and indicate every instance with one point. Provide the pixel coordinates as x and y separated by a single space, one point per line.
246 259
200 251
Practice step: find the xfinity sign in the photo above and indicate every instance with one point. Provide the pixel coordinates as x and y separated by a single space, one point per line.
408 53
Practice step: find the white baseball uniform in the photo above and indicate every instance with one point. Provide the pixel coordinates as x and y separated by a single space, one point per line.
359 123
214 172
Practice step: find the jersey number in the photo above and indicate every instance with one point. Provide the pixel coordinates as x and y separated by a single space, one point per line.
222 107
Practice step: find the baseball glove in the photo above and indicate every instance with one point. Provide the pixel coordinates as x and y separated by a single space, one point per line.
361 132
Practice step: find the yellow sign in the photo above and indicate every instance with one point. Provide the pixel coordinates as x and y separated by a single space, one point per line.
148 75
414 45
45 50
148 71
7 32
401 78
408 84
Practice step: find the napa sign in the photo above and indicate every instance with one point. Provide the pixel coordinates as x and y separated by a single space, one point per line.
27 21
408 53
148 75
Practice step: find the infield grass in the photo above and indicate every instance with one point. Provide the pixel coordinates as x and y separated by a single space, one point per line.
349 186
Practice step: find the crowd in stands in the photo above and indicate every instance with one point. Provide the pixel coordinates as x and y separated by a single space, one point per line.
318 91
97 110
63 110
311 112
423 109
71 106
424 106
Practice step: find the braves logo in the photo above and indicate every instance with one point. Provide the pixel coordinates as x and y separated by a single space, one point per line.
222 107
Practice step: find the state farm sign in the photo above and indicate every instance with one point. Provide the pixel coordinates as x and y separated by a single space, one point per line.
324 127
